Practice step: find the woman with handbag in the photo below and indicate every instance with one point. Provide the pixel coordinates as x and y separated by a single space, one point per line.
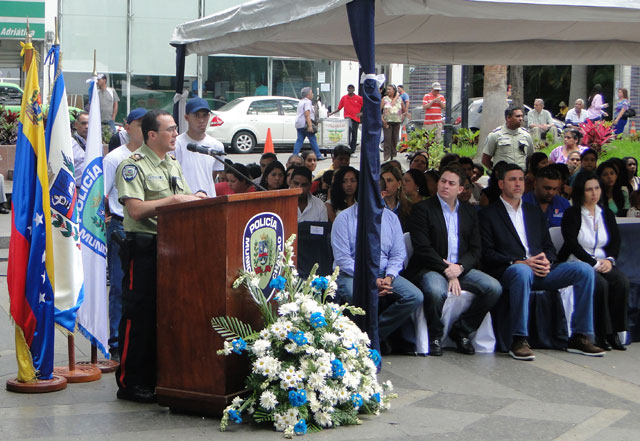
393 111
621 114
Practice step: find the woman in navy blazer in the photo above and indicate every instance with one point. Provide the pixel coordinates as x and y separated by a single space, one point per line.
591 235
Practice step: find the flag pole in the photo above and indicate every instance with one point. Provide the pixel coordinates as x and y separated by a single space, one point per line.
76 372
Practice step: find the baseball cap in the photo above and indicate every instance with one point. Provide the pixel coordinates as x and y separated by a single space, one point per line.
195 104
436 86
101 76
136 114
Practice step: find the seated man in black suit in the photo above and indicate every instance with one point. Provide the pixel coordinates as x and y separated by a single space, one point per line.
446 251
517 250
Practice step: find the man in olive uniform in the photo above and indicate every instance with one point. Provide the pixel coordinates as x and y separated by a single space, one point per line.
148 179
509 143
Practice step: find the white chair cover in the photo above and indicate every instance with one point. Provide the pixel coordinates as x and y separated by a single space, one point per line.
483 339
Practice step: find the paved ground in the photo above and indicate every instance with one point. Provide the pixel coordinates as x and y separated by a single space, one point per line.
559 396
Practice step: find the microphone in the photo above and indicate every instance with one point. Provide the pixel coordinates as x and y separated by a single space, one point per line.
204 150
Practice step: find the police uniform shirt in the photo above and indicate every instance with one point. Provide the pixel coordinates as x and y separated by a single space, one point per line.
146 177
510 146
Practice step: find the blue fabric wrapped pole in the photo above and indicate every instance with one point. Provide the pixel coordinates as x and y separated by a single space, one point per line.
361 15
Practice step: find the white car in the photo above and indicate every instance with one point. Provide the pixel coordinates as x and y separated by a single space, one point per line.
242 123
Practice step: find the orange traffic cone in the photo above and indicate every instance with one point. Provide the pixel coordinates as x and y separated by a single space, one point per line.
268 145
404 134
632 130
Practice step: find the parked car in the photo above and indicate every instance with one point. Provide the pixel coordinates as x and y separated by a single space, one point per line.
242 123
11 99
475 115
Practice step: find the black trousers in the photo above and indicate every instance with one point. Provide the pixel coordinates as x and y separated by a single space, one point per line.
137 337
610 302
353 134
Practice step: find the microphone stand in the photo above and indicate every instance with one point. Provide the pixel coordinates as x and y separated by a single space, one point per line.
219 159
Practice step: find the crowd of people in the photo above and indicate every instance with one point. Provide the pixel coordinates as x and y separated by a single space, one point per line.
483 234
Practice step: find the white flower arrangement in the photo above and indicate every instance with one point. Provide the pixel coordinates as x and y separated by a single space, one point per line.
311 367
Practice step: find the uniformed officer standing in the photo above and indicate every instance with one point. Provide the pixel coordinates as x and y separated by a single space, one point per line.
148 179
510 143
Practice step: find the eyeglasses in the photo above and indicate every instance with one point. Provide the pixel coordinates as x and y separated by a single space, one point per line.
169 129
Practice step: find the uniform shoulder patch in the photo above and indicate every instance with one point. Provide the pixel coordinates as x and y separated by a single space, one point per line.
129 172
525 130
496 129
137 156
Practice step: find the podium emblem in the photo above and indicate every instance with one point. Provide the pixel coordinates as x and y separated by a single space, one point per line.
262 242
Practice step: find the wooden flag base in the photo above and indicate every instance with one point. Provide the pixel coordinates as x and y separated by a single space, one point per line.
39 387
75 373
105 366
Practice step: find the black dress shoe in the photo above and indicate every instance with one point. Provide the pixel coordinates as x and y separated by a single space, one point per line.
464 344
435 348
603 343
4 210
139 394
615 343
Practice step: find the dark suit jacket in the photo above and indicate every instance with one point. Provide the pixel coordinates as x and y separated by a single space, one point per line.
571 223
501 245
429 238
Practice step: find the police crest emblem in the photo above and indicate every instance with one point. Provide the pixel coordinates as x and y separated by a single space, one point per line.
263 240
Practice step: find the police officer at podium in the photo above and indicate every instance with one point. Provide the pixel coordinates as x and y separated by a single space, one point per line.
148 179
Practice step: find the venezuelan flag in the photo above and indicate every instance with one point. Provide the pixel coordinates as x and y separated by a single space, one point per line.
30 269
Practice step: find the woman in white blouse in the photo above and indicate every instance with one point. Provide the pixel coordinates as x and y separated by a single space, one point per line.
591 235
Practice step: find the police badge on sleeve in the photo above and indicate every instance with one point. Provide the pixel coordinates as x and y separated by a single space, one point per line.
262 241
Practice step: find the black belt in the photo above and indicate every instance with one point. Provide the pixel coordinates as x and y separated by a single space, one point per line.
142 240
118 218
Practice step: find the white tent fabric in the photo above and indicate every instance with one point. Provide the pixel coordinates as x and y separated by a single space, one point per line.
479 32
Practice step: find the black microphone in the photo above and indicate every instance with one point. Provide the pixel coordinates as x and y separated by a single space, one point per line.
204 150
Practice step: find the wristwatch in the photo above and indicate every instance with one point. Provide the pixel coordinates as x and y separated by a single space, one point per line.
612 260
392 277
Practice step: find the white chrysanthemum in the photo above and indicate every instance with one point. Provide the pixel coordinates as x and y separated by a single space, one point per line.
310 350
279 422
351 380
268 400
343 395
323 418
261 346
236 402
265 334
279 331
291 347
330 338
387 386
309 306
288 308
227 348
328 394
289 377
316 381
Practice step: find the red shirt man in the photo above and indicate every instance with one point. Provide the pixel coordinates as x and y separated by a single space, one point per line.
352 105
433 103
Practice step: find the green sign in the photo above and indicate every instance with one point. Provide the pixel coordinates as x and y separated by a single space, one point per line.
14 19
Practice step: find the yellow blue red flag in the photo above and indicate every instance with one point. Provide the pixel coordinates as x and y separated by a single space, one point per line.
30 274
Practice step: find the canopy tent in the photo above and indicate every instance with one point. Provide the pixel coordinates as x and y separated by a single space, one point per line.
478 32
413 32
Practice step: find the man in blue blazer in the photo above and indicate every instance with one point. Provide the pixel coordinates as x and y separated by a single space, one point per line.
517 250
446 253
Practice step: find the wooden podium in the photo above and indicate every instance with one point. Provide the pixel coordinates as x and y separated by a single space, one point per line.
200 250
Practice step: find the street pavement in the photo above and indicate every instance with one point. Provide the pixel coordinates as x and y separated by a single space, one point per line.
559 396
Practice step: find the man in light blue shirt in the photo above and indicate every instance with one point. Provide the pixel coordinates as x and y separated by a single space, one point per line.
406 296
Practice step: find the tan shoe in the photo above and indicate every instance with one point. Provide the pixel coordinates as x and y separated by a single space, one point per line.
580 344
520 349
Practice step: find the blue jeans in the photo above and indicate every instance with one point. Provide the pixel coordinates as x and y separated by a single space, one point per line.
115 277
407 298
302 134
435 288
519 280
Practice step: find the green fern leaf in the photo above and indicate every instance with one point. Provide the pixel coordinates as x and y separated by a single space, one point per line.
231 328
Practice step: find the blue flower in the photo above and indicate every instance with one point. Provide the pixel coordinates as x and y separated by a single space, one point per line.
301 427
357 401
376 396
320 283
317 320
278 283
337 369
298 397
239 345
234 415
298 337
375 357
